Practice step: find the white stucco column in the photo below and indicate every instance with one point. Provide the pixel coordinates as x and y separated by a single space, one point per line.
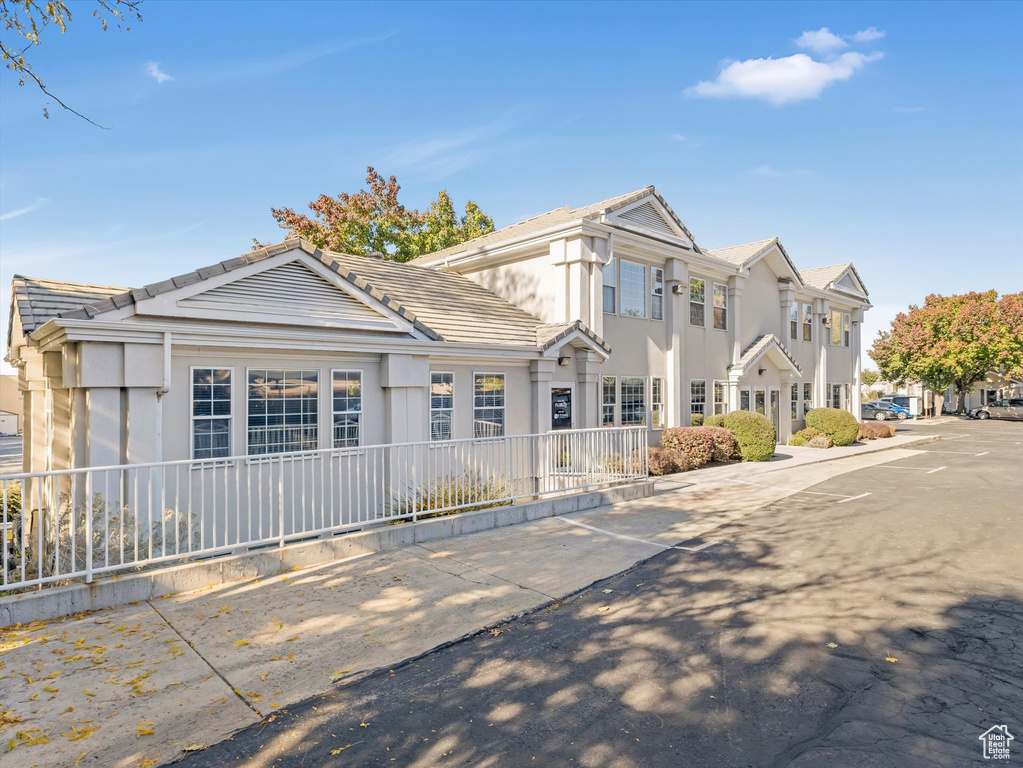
142 426
34 431
79 427
587 414
733 395
103 443
821 310
736 286
60 449
676 312
405 379
857 395
541 372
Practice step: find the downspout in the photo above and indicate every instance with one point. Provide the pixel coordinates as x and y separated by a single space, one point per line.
163 390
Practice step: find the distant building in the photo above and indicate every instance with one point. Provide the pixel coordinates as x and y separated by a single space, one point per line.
11 408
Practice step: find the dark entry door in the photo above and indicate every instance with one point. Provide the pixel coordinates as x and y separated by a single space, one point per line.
561 408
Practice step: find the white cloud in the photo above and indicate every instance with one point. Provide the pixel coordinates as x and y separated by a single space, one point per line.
678 137
770 172
821 41
22 211
154 71
908 110
780 81
868 35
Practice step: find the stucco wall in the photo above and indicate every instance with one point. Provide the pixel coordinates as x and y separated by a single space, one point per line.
532 284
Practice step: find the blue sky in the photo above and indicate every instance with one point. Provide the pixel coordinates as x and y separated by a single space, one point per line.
884 134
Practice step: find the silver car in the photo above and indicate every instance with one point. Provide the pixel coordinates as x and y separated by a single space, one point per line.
1000 409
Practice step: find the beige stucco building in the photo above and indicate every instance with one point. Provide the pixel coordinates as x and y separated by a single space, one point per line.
609 314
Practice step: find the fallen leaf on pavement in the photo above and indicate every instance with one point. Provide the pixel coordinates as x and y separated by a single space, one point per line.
193 747
832 645
604 608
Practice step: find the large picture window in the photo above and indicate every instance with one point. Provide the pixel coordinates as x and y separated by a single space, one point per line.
807 322
347 408
633 401
657 403
698 397
282 413
608 400
720 307
657 293
488 404
442 405
697 301
720 405
610 287
633 301
211 413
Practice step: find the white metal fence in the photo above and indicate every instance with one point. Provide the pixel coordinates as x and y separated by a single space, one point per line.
65 525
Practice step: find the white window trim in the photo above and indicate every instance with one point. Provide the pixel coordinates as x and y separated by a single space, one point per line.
794 332
646 401
724 396
846 329
803 324
504 408
664 390
319 411
613 264
704 410
713 306
361 411
654 294
643 292
749 396
430 409
689 297
614 406
191 410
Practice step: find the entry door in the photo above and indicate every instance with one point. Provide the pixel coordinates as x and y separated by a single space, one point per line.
776 411
561 407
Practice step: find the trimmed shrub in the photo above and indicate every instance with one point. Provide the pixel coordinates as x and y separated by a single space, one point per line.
725 446
872 430
717 420
803 436
820 441
693 442
696 419
662 461
841 426
754 433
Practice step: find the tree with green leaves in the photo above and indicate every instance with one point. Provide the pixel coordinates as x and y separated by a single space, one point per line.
953 341
24 21
373 219
869 377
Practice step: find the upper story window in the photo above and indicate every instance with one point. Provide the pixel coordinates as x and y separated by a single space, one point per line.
211 413
610 287
846 329
697 301
347 406
488 405
282 411
807 322
836 329
657 293
720 306
794 321
633 300
442 405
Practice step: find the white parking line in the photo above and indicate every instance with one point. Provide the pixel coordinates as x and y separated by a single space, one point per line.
984 453
843 501
936 470
966 453
633 538
928 470
845 497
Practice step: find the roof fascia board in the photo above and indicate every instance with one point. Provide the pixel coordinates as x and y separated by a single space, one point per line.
793 272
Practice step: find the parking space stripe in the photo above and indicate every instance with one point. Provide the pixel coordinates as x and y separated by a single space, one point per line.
936 470
843 501
697 548
965 453
843 496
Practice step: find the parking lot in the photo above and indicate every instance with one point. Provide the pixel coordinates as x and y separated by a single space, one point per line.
881 631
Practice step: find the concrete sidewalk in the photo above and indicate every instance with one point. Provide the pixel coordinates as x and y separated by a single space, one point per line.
137 685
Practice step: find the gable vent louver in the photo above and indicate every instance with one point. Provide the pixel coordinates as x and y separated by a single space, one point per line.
648 217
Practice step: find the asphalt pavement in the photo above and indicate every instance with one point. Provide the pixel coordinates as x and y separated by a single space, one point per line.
830 628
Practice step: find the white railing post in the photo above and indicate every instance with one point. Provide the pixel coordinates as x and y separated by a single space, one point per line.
88 527
280 498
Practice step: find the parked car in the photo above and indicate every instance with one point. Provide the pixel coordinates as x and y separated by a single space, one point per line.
1000 409
878 410
902 412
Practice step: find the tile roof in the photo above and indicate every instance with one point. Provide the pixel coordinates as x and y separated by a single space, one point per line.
822 277
550 219
741 254
549 335
760 346
442 305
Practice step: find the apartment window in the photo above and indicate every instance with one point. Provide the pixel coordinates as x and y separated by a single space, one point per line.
720 306
488 404
211 413
720 406
633 401
633 302
794 321
846 329
610 287
347 408
657 293
697 301
657 403
795 402
744 400
609 396
282 414
807 322
836 329
442 405
807 397
697 396
835 395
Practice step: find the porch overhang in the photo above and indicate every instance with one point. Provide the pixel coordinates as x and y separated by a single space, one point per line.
768 346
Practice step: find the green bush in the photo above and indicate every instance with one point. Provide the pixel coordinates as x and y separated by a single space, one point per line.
841 426
693 442
803 436
717 420
13 500
696 419
754 433
662 461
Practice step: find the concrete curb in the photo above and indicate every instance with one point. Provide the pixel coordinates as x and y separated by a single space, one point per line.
187 577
